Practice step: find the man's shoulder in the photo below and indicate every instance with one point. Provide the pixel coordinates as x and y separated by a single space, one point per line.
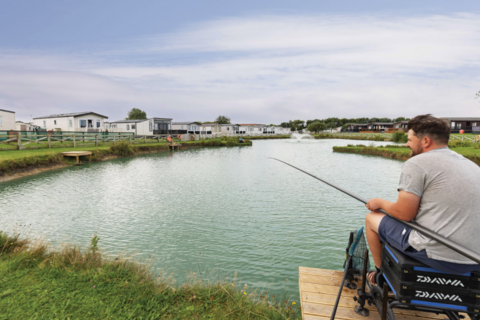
440 154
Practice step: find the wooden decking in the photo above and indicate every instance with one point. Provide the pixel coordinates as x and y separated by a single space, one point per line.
78 154
318 292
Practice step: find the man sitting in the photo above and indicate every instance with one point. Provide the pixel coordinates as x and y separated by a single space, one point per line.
440 190
169 140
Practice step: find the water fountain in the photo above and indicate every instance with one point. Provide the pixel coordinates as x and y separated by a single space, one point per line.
300 136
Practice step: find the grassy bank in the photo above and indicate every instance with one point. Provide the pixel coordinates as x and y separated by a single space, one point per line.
353 136
17 161
268 137
67 283
468 150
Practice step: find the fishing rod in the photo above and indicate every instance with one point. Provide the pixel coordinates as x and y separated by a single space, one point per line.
415 226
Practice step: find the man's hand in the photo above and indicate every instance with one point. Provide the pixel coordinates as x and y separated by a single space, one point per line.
374 204
405 208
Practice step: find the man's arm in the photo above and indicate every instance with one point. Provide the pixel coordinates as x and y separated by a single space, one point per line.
405 208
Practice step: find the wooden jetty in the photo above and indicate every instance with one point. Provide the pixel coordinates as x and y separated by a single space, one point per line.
174 145
319 290
78 154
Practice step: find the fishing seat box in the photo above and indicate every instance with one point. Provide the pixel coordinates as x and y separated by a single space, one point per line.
413 282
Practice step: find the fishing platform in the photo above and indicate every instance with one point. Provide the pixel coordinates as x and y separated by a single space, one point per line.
318 293
78 154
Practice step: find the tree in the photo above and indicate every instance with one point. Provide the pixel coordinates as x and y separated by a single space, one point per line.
316 126
136 114
222 120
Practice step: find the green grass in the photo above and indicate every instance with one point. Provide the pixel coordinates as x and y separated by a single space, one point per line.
19 154
69 283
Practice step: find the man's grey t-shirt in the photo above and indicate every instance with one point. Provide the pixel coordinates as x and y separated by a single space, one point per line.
449 187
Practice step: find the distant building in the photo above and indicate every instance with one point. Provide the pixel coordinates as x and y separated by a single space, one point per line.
210 128
190 127
467 124
231 128
251 128
7 120
72 122
269 130
24 126
143 127
356 127
282 131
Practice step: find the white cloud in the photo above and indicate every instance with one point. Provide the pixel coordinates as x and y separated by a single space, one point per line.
265 69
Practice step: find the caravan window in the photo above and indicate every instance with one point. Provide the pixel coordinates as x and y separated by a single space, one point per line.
98 123
70 123
54 122
150 126
0 120
83 123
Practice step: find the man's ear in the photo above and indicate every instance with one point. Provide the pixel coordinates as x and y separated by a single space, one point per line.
427 141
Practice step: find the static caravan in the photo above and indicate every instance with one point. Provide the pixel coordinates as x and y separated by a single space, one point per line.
190 127
143 127
7 120
209 128
72 122
230 128
467 124
24 126
251 128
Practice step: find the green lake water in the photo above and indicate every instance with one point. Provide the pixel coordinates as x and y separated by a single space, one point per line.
221 210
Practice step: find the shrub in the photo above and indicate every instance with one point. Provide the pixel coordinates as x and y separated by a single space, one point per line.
399 137
379 137
122 148
460 144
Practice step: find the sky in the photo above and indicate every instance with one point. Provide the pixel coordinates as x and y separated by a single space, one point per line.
253 61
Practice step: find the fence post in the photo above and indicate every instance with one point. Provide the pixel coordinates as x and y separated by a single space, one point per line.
96 140
130 139
114 139
49 145
74 140
19 139
462 138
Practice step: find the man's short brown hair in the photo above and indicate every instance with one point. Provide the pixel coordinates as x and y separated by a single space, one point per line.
435 128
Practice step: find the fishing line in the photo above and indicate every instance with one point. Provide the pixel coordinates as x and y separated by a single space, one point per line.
415 226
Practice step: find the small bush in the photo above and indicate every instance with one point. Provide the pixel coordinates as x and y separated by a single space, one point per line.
122 148
399 137
379 137
460 144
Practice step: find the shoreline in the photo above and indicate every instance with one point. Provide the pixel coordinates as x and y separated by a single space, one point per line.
24 167
12 169
81 283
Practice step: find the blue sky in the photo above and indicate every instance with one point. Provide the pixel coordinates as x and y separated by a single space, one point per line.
264 62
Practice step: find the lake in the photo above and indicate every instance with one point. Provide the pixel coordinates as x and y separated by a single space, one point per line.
221 210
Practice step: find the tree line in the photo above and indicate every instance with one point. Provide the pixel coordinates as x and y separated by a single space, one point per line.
295 125
323 124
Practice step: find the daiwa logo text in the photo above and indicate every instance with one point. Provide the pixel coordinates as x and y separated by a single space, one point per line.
442 281
438 296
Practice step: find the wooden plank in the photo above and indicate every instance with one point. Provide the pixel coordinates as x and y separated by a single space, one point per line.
324 289
348 302
350 314
328 280
318 293
305 270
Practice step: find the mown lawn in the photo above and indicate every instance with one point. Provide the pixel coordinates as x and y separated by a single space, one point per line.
19 154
